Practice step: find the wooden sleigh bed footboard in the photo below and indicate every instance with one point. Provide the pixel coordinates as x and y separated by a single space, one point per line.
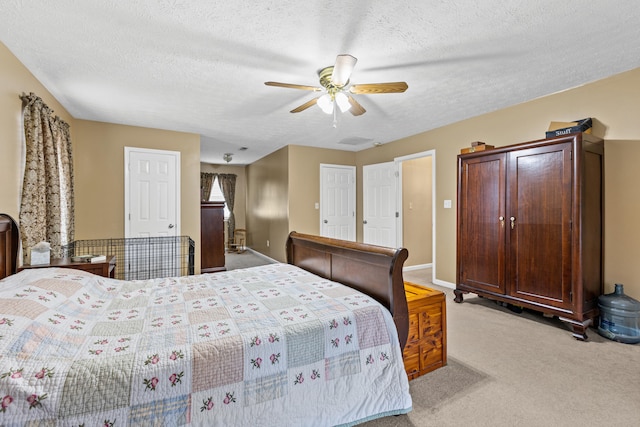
373 270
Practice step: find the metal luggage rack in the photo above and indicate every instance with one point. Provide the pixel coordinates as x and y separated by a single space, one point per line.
140 258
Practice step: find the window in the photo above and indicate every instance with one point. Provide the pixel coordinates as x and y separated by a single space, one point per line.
217 196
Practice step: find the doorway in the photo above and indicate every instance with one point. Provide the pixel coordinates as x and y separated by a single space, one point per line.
417 209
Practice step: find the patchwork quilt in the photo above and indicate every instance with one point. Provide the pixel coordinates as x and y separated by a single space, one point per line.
263 346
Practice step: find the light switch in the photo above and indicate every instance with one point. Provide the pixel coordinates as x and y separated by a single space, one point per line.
317 205
447 204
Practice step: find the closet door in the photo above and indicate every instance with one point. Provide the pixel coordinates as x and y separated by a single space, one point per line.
539 183
481 223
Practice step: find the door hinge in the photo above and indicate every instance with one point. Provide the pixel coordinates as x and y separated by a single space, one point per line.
397 174
571 296
397 214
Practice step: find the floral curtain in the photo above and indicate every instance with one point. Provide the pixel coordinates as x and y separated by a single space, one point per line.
227 182
206 183
47 204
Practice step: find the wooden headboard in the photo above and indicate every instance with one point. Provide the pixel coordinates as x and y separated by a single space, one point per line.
373 270
9 237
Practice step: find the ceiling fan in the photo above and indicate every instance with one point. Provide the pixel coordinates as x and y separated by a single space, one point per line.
335 83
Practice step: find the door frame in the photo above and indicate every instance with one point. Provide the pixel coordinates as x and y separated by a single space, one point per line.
127 155
399 224
352 196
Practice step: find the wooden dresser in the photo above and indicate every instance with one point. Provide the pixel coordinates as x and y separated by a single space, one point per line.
104 269
212 237
426 348
9 236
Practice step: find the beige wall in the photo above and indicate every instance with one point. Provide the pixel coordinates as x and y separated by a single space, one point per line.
304 184
417 210
15 79
283 188
268 204
612 102
98 150
99 177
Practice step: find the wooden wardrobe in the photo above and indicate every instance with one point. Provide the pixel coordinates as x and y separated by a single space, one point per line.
212 237
530 226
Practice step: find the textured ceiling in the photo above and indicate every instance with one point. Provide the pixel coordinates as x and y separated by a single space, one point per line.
199 65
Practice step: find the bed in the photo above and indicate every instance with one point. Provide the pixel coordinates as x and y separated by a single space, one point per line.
314 341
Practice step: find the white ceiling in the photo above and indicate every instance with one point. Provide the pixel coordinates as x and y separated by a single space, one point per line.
199 65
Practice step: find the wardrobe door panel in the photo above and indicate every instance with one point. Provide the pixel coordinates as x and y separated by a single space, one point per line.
481 224
539 239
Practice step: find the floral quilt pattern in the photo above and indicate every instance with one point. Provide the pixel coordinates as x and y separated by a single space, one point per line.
269 345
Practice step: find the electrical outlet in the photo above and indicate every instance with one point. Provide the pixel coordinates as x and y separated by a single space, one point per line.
267 243
447 204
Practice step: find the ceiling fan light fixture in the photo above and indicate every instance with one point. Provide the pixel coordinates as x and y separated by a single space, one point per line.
343 101
334 81
326 103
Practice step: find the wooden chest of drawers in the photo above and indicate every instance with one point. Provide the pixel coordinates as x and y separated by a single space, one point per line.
426 348
104 269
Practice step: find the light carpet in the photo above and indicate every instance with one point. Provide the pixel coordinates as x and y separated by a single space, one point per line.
508 369
522 370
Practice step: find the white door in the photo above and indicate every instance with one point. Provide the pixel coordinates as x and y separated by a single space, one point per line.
379 184
152 180
338 202
152 210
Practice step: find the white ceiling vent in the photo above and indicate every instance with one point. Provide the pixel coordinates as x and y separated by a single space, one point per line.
356 140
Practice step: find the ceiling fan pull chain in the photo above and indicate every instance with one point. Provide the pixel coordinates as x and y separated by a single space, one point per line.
335 115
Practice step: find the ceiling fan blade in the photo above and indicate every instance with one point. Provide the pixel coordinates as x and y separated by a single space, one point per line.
305 105
356 109
342 69
372 88
294 86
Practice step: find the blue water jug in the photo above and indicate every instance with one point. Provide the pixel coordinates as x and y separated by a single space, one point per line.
619 316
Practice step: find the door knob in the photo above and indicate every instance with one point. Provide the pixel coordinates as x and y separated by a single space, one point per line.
364 222
171 225
325 221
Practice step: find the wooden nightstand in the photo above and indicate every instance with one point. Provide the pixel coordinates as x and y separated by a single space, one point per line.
105 269
426 348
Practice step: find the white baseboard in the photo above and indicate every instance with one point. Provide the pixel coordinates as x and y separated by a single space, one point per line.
435 281
444 284
417 267
261 255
